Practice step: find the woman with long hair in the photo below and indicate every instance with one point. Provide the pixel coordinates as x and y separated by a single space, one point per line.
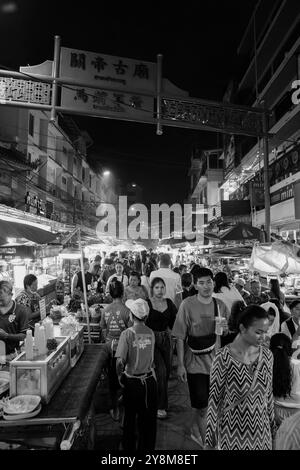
274 320
161 318
225 291
236 310
275 291
240 412
286 377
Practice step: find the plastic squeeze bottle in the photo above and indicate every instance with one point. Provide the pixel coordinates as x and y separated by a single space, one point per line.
36 339
29 345
42 341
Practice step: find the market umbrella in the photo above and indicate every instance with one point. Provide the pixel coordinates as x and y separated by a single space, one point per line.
242 231
20 230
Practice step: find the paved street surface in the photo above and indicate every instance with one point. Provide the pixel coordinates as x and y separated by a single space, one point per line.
173 433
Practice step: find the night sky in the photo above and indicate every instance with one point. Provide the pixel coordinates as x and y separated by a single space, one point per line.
198 40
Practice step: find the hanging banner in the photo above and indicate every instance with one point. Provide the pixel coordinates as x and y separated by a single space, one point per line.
229 157
110 71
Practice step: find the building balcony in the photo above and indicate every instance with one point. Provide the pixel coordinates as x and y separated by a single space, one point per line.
285 19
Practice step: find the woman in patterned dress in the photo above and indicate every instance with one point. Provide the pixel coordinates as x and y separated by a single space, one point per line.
241 408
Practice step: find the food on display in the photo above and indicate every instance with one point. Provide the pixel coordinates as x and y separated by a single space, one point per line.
57 312
3 402
52 344
4 381
69 326
22 404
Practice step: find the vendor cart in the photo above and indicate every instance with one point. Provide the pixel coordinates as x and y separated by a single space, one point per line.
69 413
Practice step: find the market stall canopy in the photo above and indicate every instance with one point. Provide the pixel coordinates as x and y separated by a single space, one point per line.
212 236
242 231
9 229
232 251
181 242
277 258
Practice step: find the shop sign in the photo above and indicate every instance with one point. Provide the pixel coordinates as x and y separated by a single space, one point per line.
246 219
235 208
229 157
12 89
282 194
108 103
42 305
257 193
110 71
8 251
47 251
288 164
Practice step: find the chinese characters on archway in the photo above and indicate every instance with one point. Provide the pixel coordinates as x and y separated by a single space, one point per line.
108 100
141 70
129 85
91 67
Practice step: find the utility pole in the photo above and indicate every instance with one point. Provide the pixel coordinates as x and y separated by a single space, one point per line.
266 178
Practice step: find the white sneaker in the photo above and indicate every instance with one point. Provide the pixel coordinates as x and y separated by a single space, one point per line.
161 414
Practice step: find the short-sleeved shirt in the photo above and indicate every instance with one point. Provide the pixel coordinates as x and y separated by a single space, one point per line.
160 321
284 328
257 299
14 322
172 280
106 274
130 344
197 319
138 292
123 278
31 301
115 318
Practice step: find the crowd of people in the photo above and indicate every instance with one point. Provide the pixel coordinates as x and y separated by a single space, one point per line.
220 330
232 342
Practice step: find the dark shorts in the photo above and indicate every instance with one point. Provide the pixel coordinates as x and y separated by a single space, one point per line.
199 390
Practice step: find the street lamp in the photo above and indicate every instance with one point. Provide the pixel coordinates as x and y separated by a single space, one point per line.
106 173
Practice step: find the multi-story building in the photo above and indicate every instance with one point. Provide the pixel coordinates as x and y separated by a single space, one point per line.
206 176
269 58
55 180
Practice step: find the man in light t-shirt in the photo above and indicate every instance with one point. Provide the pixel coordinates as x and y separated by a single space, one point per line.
196 318
172 280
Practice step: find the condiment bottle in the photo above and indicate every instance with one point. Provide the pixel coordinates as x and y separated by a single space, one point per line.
2 352
42 341
36 338
49 330
29 345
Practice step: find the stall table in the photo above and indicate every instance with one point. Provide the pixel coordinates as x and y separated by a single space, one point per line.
69 411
